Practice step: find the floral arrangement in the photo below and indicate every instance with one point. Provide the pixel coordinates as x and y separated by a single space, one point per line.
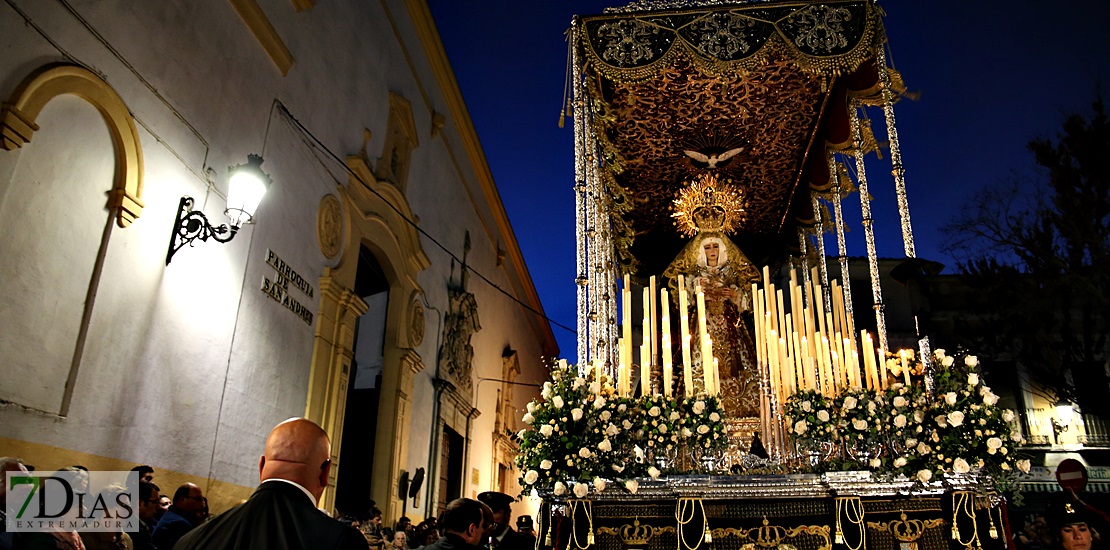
581 434
809 417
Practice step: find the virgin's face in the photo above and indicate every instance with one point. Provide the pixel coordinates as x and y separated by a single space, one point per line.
1075 537
712 252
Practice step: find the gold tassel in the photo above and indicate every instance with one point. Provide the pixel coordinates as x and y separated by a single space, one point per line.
955 532
708 537
839 538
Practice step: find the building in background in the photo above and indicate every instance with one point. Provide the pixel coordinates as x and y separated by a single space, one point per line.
379 290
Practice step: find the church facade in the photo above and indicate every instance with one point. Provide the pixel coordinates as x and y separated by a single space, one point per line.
379 290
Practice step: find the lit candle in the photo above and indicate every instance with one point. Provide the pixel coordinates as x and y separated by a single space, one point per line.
652 307
905 365
703 333
684 334
626 336
620 366
645 347
665 321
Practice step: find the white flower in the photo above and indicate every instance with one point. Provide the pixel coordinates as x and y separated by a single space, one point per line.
807 406
546 393
703 429
686 432
528 418
639 453
924 476
1023 465
627 425
622 407
545 430
972 379
714 417
599 402
900 421
545 465
990 399
923 449
584 452
581 489
859 425
595 388
674 416
605 416
900 461
699 406
823 415
1007 415
942 421
576 414
948 361
560 489
871 407
800 427
605 445
654 411
939 353
875 462
900 401
531 477
971 361
849 403
632 485
617 468
1003 450
919 416
578 383
521 433
955 418
612 430
653 472
558 401
911 443
531 406
960 466
662 428
994 443
1006 466
599 484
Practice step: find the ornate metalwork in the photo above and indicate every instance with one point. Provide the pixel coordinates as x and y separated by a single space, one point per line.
191 225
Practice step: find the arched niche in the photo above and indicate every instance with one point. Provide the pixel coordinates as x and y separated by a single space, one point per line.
17 126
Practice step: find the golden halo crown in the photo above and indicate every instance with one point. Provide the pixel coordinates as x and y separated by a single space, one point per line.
708 204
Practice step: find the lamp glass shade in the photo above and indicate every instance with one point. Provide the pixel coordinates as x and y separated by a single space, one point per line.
1064 412
247 185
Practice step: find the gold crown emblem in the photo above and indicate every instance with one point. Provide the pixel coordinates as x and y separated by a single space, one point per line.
708 204
636 535
907 530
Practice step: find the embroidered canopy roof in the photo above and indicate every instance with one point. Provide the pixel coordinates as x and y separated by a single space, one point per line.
761 85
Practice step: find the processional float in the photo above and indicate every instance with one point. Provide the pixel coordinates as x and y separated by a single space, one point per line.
723 393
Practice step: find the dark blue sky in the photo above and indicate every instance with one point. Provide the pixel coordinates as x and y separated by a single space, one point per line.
992 76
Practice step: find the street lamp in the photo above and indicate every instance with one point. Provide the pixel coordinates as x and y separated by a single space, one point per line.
1061 421
246 186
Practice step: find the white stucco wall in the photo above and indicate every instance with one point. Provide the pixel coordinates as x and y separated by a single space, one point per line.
188 366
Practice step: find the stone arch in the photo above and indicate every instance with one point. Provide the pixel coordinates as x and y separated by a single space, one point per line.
375 216
17 126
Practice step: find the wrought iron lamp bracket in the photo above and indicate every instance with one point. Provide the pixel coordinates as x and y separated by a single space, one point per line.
191 225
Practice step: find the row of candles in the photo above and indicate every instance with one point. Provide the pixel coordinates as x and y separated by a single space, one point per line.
804 340
656 341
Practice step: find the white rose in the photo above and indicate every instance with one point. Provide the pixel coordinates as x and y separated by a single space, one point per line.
531 406
972 379
924 476
558 401
599 402
1003 450
939 353
531 477
617 468
581 489
663 428
971 361
807 406
560 489
919 416
714 417
612 430
595 388
605 416
521 433
703 429
923 449
990 399
599 484
654 472
605 446
911 443
674 415
578 383
546 393
545 430
699 407
622 407
859 425
1023 465
576 414
1007 415
545 465
627 425
948 361
871 407
900 421
654 411
955 418
875 462
800 427
584 452
632 485
849 403
528 418
994 443
942 421
900 401
1006 466
960 466
823 415
686 432
899 462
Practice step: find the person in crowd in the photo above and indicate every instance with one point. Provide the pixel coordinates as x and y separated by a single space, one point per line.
148 504
372 528
400 538
146 473
108 540
1070 526
182 517
502 536
164 504
465 523
282 513
59 540
8 465
524 526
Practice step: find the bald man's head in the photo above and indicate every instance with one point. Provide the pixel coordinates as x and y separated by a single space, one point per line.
297 450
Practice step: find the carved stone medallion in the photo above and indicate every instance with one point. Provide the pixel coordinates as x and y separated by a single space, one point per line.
417 323
329 231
